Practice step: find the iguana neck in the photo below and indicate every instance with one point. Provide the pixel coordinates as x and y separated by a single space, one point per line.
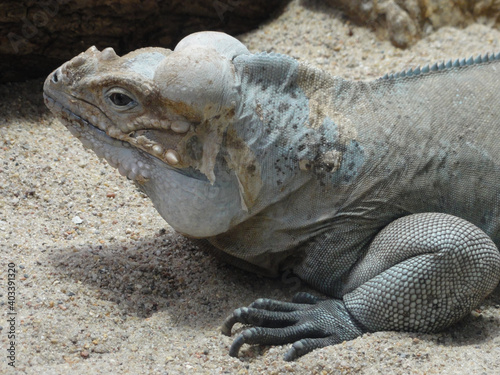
291 127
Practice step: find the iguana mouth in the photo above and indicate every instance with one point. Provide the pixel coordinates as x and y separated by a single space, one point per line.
105 146
140 137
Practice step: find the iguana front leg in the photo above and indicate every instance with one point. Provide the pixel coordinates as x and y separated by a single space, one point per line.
422 273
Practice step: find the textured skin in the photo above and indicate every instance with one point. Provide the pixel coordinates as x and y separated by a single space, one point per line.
384 195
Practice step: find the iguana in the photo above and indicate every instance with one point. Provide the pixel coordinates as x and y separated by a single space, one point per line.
383 195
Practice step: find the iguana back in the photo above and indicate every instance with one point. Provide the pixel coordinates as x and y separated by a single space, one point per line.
337 154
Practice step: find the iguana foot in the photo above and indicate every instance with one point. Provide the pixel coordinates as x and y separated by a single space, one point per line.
308 321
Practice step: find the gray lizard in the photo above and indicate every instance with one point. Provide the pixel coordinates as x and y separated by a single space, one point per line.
383 195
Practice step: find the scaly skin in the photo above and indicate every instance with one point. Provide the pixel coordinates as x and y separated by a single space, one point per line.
384 195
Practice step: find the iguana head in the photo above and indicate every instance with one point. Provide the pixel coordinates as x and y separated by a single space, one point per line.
159 116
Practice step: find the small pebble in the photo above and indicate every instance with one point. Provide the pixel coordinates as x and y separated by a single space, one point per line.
77 220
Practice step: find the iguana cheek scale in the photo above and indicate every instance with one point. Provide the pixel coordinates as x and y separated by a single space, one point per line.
383 195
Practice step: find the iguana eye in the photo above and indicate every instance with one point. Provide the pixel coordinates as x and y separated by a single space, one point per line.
120 99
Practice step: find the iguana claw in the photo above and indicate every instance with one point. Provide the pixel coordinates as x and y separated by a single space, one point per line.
308 321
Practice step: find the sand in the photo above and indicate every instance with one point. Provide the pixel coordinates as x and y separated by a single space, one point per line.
104 286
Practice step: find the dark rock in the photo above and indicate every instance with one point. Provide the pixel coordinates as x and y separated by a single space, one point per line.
37 36
405 21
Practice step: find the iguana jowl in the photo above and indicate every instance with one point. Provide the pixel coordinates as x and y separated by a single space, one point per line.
383 195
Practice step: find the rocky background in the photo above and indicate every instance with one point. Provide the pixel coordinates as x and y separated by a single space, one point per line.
405 21
37 36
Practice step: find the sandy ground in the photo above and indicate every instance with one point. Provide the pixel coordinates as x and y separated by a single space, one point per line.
104 286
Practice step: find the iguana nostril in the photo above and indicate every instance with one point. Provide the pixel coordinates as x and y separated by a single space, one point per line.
55 76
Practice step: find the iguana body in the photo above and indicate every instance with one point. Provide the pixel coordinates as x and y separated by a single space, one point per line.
281 166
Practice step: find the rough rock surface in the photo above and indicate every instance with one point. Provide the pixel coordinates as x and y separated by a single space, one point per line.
406 21
36 36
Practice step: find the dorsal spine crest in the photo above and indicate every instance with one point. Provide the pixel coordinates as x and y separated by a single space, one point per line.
437 67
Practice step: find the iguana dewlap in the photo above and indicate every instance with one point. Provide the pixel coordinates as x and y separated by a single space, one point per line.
384 195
